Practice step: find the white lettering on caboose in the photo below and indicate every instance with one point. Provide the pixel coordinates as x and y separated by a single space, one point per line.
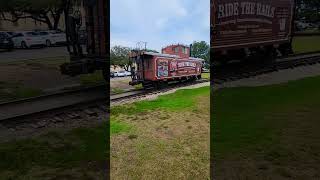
186 64
245 8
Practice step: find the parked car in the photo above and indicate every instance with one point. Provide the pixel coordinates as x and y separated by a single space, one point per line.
28 40
128 73
119 73
205 70
53 37
6 41
10 33
112 74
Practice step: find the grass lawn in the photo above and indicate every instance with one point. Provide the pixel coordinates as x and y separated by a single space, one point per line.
92 79
166 138
78 154
303 44
117 90
269 132
14 91
205 75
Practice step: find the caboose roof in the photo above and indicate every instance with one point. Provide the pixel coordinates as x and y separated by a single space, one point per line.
164 55
160 54
170 55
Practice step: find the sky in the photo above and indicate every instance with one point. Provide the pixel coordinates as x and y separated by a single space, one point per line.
159 22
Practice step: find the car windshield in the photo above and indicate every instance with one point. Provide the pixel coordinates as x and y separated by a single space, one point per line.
121 72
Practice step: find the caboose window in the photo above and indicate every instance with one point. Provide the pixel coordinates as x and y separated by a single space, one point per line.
176 49
184 50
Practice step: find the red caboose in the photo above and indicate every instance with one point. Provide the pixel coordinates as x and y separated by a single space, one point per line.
173 64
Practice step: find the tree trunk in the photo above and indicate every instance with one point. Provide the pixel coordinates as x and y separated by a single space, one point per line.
56 18
48 22
56 22
126 67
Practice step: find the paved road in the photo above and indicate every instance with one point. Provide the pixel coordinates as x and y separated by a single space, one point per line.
25 54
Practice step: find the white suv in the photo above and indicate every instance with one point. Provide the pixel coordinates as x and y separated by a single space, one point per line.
27 39
120 74
53 37
128 73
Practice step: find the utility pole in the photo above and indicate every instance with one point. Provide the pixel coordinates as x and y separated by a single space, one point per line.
140 45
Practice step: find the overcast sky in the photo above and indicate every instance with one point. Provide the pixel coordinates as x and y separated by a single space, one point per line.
159 22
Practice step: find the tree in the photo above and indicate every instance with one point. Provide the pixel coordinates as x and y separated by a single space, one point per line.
119 56
201 49
308 10
45 11
151 50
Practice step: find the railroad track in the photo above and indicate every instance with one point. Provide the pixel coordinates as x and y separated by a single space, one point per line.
133 95
241 71
94 100
72 104
55 101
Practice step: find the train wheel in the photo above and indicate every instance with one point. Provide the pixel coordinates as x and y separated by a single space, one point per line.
270 54
156 85
162 84
148 85
285 49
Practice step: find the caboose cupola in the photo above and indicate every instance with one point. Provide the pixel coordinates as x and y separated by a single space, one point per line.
180 50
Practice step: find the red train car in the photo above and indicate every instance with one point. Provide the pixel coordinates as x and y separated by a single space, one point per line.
242 27
173 64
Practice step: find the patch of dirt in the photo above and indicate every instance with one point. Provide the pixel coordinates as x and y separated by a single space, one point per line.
120 83
35 75
49 173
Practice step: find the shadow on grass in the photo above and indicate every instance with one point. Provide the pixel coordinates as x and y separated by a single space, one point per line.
271 126
82 149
